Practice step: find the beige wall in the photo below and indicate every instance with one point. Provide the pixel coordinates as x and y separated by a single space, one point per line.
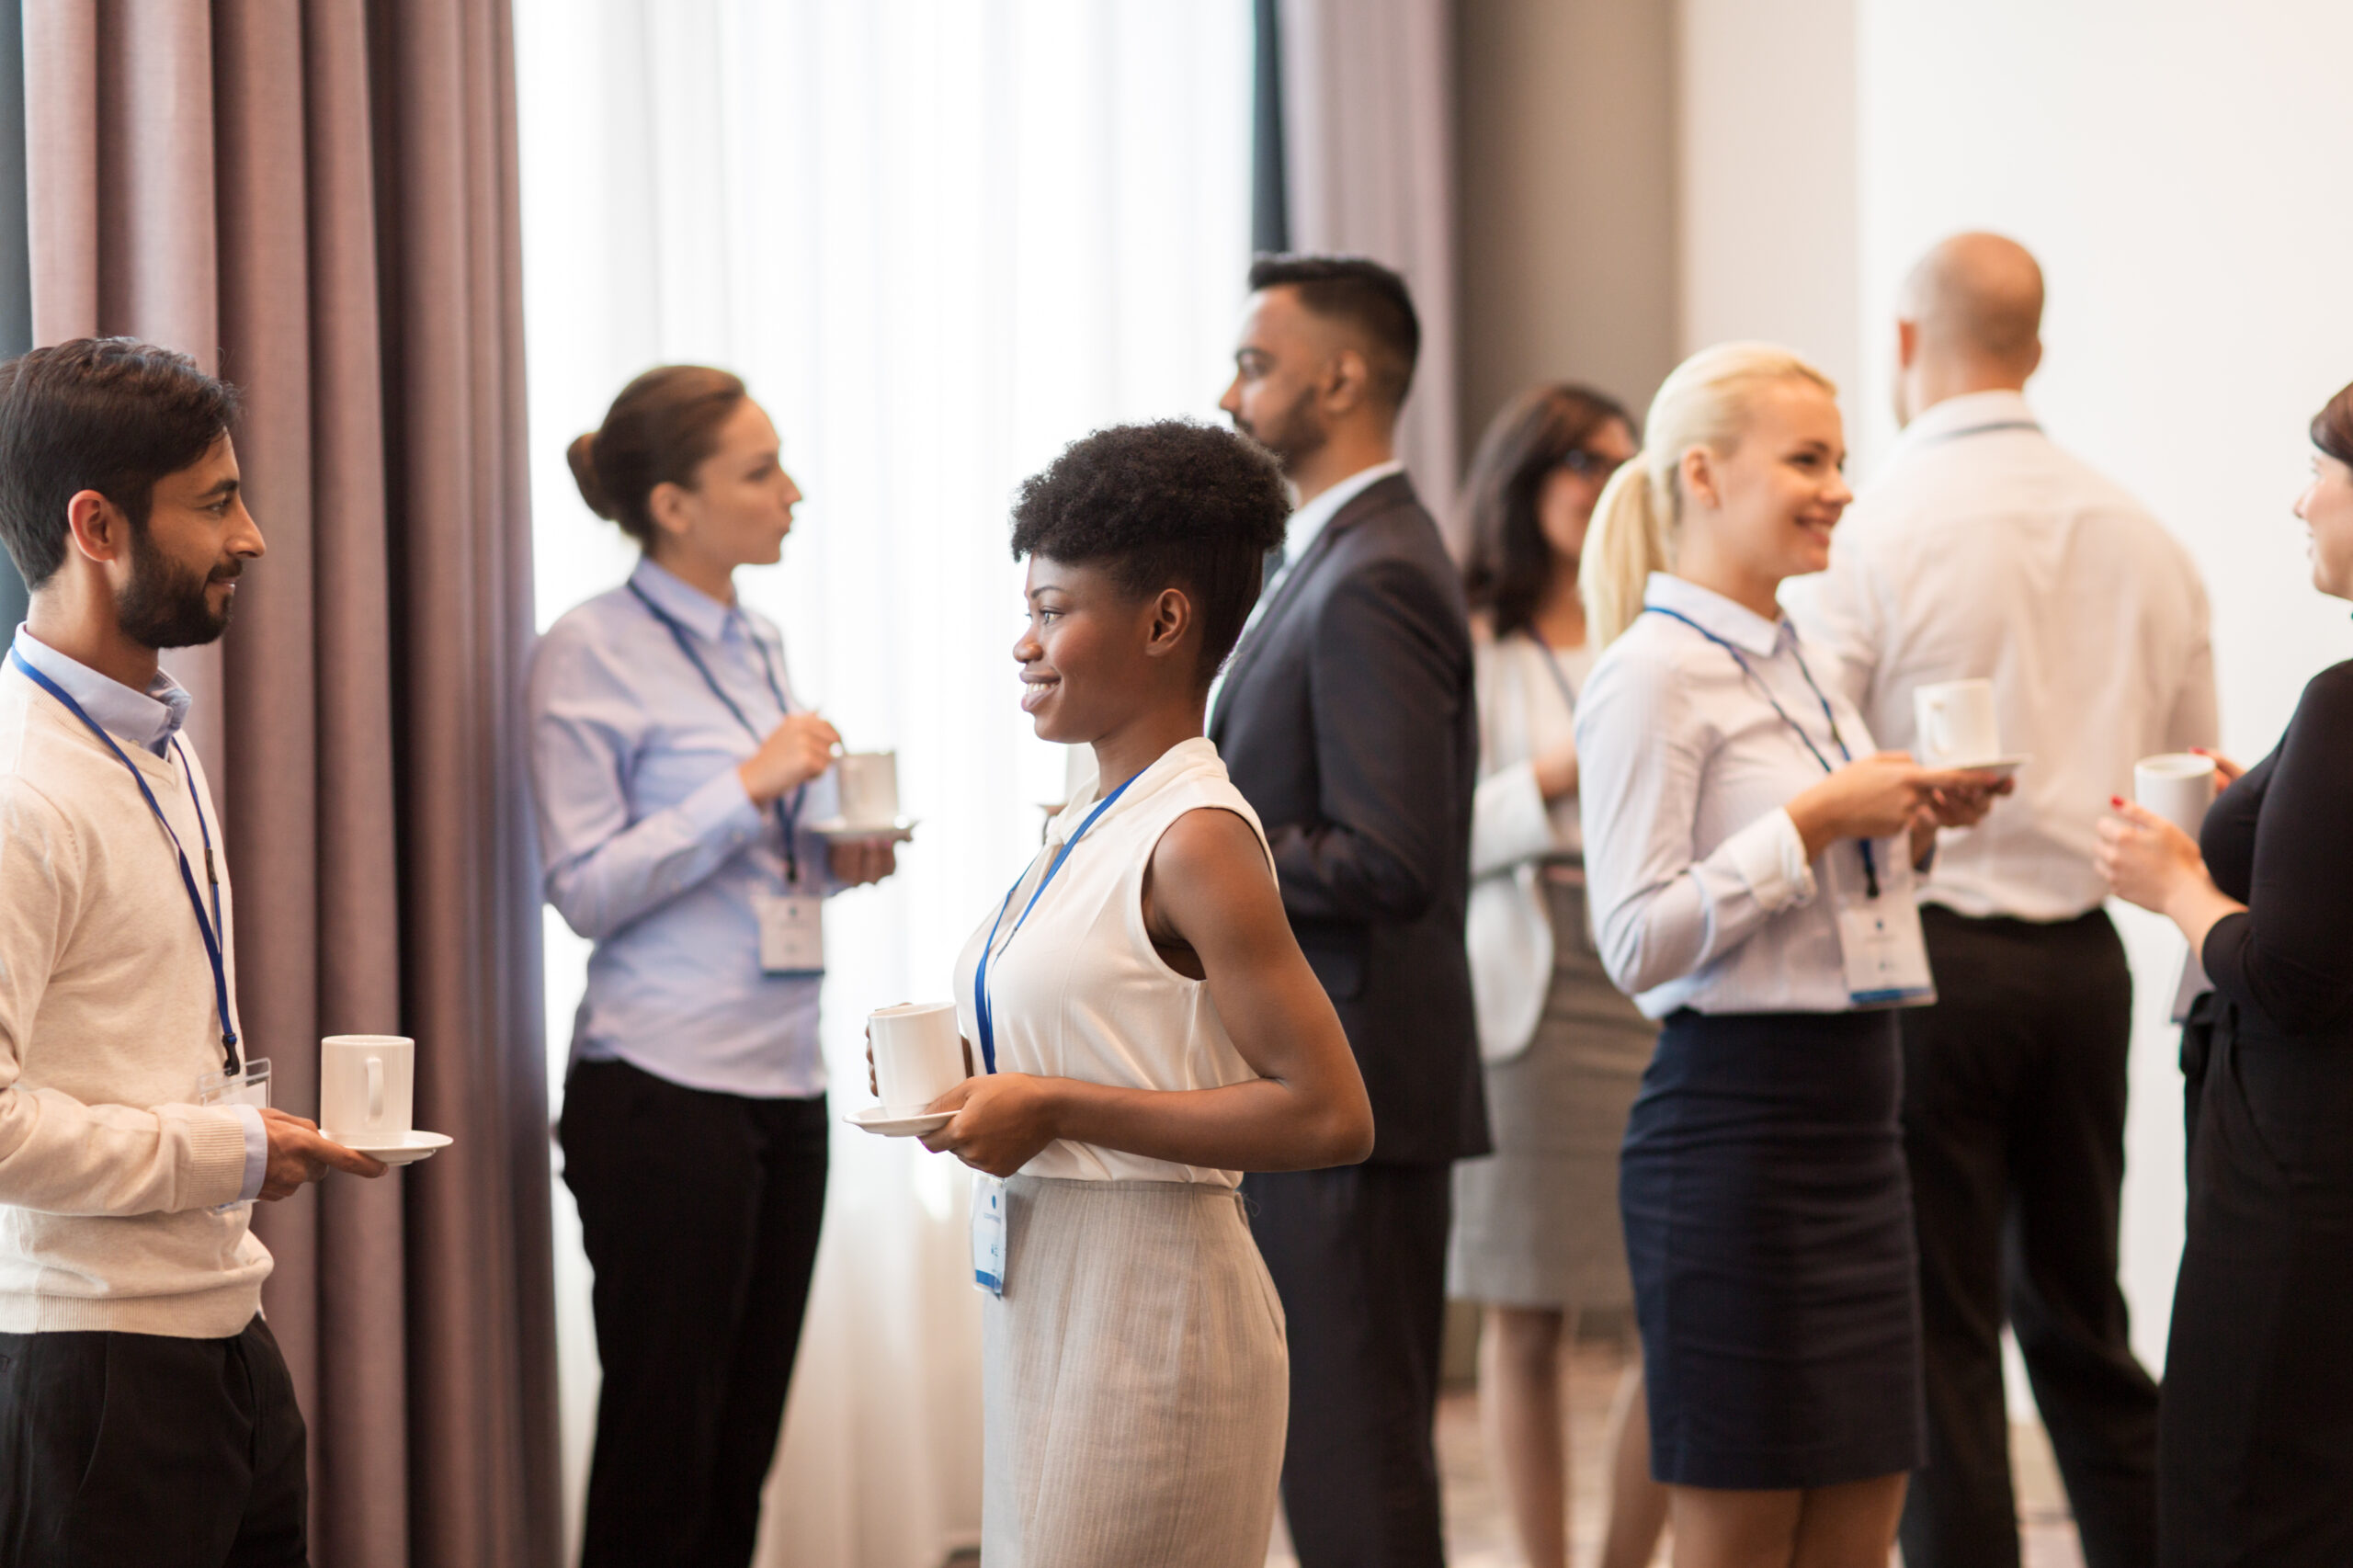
1565 157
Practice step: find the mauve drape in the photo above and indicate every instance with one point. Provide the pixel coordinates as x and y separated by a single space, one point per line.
317 199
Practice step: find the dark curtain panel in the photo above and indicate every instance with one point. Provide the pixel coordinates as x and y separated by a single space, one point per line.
1269 196
317 198
15 261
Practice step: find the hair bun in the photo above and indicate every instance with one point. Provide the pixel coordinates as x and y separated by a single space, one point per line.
581 456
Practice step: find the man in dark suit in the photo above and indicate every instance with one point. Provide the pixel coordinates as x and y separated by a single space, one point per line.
1347 721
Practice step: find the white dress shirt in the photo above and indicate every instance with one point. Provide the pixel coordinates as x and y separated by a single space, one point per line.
1702 893
1984 550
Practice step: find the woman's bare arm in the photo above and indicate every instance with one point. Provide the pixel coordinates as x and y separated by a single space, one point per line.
1208 888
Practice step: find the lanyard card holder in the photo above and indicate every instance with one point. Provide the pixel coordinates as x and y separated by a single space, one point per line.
249 1085
1885 955
792 931
988 1233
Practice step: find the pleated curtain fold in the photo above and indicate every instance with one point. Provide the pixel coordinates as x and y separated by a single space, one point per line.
317 199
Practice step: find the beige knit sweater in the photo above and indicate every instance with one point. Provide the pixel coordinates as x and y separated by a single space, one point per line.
110 1174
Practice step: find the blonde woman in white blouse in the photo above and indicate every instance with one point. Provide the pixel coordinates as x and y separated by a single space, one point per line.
1148 1030
1751 857
1536 1240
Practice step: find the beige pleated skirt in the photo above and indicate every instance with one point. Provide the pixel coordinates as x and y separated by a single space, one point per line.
1135 1380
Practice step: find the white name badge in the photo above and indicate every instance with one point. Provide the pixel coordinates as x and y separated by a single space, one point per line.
1886 957
248 1088
793 931
988 1233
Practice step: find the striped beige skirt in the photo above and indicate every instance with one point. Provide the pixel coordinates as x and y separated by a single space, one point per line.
1136 1382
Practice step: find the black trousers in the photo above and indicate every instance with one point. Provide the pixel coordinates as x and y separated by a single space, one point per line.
142 1449
1358 1256
2014 1127
699 1213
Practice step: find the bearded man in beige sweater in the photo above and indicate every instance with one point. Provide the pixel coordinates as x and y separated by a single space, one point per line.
145 1414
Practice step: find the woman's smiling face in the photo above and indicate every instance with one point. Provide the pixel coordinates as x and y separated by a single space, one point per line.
2326 508
1082 652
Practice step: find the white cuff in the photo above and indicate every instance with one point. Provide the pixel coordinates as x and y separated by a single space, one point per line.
256 1152
1770 857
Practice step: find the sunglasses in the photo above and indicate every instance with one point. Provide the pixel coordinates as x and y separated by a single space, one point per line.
1590 465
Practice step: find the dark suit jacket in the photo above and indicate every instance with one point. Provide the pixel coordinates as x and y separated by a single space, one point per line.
1347 721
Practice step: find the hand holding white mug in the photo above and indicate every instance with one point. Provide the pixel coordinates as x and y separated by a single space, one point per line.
2146 859
300 1154
795 752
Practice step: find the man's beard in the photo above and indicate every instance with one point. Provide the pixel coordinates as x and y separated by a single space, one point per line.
1293 435
165 605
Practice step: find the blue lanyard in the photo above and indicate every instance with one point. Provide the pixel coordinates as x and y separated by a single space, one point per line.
980 1009
209 926
1871 861
787 816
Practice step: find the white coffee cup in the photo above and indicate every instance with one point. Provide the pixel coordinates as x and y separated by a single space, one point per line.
870 788
2179 785
367 1087
1957 723
918 1054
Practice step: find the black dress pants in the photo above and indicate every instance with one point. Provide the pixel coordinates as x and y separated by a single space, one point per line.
1359 1256
699 1213
147 1449
2013 1128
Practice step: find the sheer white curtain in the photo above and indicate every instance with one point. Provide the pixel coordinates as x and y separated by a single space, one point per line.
939 238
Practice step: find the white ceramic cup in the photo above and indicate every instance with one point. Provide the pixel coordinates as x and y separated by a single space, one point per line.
918 1054
2179 785
367 1087
870 787
1957 723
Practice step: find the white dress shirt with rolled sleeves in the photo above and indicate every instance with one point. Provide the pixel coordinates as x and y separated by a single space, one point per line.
1982 550
1702 894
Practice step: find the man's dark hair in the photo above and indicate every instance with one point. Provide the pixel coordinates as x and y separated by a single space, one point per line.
111 414
1365 295
1170 504
2332 427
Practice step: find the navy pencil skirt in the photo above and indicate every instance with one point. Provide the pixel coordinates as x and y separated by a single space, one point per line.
1769 1231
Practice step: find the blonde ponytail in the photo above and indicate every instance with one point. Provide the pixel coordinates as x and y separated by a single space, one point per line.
1704 402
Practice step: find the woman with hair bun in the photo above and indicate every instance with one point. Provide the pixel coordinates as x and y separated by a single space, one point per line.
2255 1439
675 778
1750 859
1536 1239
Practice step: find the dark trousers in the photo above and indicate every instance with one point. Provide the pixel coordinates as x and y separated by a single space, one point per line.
142 1449
1359 1256
699 1213
2014 1126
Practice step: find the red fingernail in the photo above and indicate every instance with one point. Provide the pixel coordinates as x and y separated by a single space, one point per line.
2116 800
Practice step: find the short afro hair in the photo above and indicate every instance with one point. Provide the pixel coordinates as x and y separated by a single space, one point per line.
111 414
1364 296
1171 502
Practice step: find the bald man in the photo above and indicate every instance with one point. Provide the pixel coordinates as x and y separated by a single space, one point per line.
1985 550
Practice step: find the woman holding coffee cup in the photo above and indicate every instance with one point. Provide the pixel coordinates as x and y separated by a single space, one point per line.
1750 857
2255 1457
1146 1029
1536 1238
675 779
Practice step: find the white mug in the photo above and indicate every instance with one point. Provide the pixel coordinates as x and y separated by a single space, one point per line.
1957 723
870 788
2179 785
367 1087
918 1054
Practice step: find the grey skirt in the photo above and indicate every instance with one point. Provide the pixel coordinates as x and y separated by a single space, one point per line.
1135 1380
1536 1222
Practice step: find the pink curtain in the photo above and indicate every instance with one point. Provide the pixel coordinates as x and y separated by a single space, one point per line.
317 199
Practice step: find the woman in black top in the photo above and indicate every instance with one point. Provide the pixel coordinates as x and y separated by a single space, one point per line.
2255 1451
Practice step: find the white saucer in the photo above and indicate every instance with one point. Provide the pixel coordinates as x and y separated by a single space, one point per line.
877 1119
416 1146
898 830
2000 766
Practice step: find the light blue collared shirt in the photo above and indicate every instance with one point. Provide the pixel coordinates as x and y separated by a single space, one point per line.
654 852
148 719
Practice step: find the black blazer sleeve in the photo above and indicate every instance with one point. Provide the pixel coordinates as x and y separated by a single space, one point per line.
1383 677
2287 957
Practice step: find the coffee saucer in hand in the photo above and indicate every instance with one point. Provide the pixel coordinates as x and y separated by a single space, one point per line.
406 1150
877 1119
898 830
2000 766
